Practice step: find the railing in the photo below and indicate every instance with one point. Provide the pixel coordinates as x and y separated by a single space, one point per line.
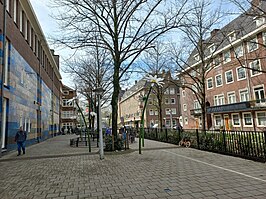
245 144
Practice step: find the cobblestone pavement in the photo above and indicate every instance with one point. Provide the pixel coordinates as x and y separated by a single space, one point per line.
163 171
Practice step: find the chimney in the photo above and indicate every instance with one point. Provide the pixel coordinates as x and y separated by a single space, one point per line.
214 32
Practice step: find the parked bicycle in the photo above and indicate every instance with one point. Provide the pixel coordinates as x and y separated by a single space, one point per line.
185 142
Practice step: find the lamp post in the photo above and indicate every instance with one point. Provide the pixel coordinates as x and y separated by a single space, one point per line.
99 91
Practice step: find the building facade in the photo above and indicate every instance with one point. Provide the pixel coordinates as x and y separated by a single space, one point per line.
69 113
165 99
30 83
236 80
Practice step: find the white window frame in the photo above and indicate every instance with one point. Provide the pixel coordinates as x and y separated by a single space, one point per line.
183 93
228 97
252 72
218 58
253 41
232 36
237 51
173 111
237 73
239 121
218 100
208 88
196 104
246 94
259 20
264 38
216 124
155 112
167 100
184 107
257 119
226 60
167 111
243 117
171 91
172 100
226 74
151 112
263 89
212 48
196 57
216 80
186 120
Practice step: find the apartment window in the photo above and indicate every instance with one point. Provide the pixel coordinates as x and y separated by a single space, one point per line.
232 36
67 102
244 95
166 92
7 54
183 93
247 119
216 61
209 83
218 120
231 97
184 107
259 94
196 104
212 48
196 57
173 110
167 111
229 77
172 100
155 112
67 114
166 100
261 119
260 21
151 112
218 80
235 120
255 68
172 91
239 51
241 73
253 45
186 120
218 100
15 11
227 57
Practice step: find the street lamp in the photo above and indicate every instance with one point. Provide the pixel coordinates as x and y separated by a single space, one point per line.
99 91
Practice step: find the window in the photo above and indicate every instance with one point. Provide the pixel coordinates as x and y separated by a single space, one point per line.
252 45
196 104
167 111
264 38
15 11
212 48
8 5
172 91
67 114
166 91
67 102
193 73
218 120
229 77
166 100
247 119
196 57
7 54
231 97
227 57
167 122
216 61
183 93
209 83
261 119
184 107
232 36
259 94
155 112
21 19
239 51
186 120
259 21
218 100
150 102
255 66
172 100
218 80
151 112
235 120
173 110
241 73
243 95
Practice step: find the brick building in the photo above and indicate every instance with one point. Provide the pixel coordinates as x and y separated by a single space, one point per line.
131 104
235 84
30 87
69 110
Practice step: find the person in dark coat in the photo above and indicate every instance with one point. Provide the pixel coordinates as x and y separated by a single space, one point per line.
20 138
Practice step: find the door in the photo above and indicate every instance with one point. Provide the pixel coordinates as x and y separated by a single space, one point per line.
226 122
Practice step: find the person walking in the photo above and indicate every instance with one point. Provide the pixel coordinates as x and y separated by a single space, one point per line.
20 138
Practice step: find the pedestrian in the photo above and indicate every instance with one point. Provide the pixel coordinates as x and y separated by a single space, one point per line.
20 138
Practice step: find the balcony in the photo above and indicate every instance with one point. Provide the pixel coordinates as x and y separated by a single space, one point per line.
195 112
258 103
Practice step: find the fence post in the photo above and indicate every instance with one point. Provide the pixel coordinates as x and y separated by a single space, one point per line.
166 134
156 132
224 141
265 145
197 134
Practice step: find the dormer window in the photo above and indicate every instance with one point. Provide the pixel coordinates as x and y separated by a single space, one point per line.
232 36
259 21
196 57
212 48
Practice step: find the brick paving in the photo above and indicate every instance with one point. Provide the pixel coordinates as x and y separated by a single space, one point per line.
53 169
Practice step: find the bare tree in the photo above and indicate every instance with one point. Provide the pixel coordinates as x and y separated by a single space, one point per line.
124 27
195 57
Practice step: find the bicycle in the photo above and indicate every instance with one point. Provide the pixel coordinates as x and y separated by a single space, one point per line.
185 142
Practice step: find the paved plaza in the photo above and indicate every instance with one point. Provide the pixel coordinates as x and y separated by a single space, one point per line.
53 169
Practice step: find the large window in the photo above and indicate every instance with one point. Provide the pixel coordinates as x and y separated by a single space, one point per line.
209 83
196 104
239 51
241 73
173 110
259 94
243 95
231 97
67 114
252 44
255 68
218 80
218 100
261 119
67 102
172 91
229 77
218 120
247 119
151 112
235 119
217 61
227 57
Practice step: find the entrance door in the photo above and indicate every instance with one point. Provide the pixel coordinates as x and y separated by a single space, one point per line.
226 122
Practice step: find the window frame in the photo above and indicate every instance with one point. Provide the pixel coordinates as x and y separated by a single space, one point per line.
254 43
208 88
216 80
236 51
246 94
256 72
237 74
239 120
216 124
243 118
184 107
257 119
226 80
225 61
234 94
